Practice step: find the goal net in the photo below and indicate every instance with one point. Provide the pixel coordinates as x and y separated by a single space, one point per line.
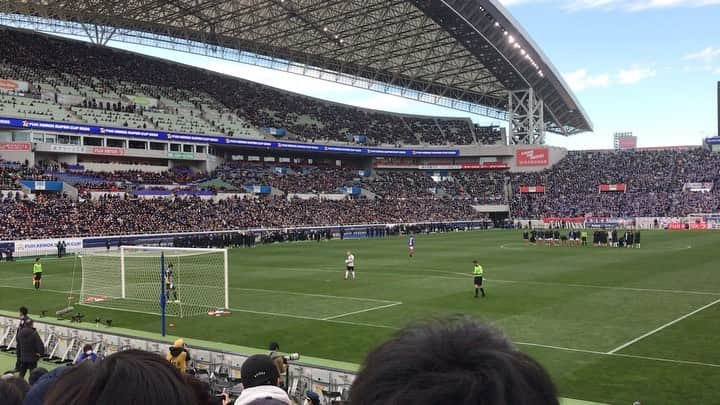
140 278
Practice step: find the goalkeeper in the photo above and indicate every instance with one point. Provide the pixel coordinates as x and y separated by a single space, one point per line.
170 286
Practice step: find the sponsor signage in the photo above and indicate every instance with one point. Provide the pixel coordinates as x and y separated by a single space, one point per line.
484 166
8 85
613 187
44 246
14 146
574 220
181 155
100 150
531 157
197 138
66 148
532 189
699 187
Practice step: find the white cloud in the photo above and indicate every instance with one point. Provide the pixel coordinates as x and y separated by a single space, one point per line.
580 80
634 75
706 54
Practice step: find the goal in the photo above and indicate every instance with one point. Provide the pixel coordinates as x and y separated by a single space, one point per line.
132 280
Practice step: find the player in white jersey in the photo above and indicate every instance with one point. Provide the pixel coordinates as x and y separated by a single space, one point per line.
411 245
350 266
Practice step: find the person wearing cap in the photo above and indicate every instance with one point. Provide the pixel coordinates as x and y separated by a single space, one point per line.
478 278
311 398
260 379
178 355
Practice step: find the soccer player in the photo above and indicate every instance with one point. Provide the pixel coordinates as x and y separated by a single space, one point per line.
170 284
350 266
583 237
37 273
478 278
411 245
637 238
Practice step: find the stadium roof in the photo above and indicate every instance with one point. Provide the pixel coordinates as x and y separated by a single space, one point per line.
467 50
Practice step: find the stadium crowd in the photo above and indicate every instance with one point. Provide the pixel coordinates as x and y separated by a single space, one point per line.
49 216
655 180
33 58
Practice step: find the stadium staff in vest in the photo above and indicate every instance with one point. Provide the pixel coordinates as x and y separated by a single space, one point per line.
478 278
178 355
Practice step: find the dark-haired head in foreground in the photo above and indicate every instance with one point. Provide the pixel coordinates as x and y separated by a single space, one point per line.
127 377
453 361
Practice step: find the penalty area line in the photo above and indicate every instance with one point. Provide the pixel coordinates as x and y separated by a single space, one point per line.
631 356
658 329
361 311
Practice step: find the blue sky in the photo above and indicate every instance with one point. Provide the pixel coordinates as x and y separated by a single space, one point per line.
646 66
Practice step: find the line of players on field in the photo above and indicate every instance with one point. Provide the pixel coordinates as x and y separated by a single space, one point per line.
603 237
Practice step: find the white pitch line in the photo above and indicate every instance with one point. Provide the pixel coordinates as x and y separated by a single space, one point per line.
361 311
310 295
632 356
606 287
658 329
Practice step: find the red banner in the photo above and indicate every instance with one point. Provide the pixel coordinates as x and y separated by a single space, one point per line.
108 151
698 225
613 187
576 220
483 166
532 189
14 146
531 157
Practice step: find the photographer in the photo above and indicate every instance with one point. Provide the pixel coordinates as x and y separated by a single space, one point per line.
178 355
281 362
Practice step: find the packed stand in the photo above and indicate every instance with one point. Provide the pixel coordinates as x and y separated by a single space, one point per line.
287 178
654 179
49 216
187 91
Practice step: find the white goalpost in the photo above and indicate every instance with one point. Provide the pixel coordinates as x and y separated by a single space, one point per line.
190 281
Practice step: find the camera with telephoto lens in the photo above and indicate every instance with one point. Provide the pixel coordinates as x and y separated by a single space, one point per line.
291 356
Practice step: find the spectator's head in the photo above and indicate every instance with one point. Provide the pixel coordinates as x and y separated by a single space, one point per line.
36 374
23 311
259 370
37 260
179 343
131 376
274 346
87 349
10 394
454 361
21 387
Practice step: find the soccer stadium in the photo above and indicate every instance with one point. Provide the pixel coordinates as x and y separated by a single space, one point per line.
174 234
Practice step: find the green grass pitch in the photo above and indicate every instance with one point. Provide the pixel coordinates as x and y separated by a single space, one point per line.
580 311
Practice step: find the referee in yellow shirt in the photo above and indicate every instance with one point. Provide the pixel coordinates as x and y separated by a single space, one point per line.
37 273
478 278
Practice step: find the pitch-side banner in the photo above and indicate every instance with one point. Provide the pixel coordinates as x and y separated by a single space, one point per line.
45 246
531 157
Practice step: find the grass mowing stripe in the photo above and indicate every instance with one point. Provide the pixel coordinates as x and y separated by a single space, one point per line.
658 329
